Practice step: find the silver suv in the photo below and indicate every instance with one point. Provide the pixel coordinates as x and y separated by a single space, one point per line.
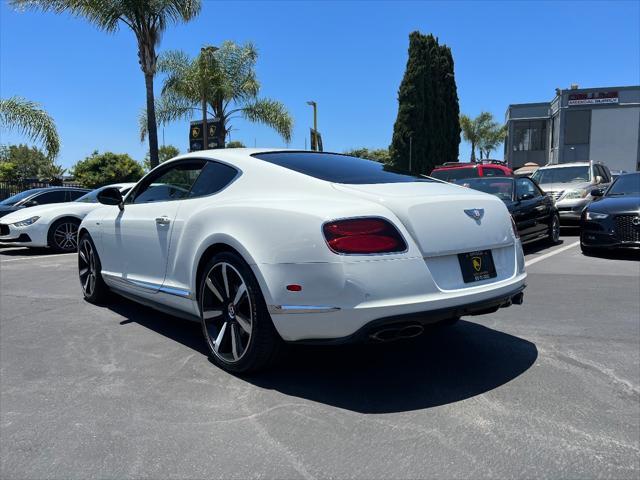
570 185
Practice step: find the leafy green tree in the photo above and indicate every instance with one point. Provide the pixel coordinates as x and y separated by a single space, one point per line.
165 152
482 132
379 154
32 121
100 169
427 131
21 162
148 19
493 138
226 79
236 144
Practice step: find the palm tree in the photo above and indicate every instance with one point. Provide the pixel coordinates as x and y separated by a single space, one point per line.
492 138
146 18
31 120
225 79
475 130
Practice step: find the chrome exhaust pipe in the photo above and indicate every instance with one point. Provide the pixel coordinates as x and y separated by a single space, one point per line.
411 331
518 299
385 335
396 333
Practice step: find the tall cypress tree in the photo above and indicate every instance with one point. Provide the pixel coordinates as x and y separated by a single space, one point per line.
427 121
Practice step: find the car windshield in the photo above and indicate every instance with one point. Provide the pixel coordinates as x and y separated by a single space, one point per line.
628 184
449 174
92 196
336 168
500 187
19 196
562 175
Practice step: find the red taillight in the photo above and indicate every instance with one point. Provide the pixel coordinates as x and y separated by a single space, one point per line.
515 228
363 236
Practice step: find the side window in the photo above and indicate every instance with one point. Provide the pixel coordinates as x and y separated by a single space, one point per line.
597 171
525 186
55 196
214 177
171 183
604 173
492 172
74 195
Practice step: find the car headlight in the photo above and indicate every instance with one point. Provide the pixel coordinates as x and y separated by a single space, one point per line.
596 215
27 222
573 194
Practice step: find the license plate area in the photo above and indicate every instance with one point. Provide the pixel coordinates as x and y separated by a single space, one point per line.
477 266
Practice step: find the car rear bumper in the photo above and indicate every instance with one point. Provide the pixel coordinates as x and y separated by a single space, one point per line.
338 300
375 329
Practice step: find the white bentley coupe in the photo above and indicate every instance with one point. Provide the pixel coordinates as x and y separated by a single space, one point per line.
265 246
54 225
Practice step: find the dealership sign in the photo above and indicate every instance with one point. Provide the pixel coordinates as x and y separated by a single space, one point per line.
593 98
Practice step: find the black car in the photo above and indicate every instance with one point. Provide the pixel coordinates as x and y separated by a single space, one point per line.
612 220
533 212
40 196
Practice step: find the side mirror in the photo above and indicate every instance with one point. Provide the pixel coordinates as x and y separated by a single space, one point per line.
598 179
597 192
526 196
111 196
31 203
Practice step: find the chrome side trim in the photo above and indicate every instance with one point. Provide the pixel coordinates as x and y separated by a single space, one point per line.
302 309
180 292
153 287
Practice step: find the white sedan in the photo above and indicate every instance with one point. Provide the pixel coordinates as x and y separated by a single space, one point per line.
265 246
54 225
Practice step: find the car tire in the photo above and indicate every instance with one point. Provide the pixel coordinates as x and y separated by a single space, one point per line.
554 230
63 235
94 289
236 324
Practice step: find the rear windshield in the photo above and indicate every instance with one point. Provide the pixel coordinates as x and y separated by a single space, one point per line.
448 174
336 168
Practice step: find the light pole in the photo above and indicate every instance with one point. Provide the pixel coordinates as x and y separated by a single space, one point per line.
205 133
314 140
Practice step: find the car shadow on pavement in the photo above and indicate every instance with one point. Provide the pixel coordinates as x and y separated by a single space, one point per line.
24 252
444 365
633 255
537 247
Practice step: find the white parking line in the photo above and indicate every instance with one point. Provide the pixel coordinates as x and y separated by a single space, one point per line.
38 256
551 254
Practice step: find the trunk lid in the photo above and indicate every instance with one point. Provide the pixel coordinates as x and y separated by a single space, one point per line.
434 215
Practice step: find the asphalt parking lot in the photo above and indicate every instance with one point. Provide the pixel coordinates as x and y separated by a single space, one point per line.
547 389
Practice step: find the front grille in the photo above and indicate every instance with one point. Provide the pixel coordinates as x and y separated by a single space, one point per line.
628 228
4 229
556 195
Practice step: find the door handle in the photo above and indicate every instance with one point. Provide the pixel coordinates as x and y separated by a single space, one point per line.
163 220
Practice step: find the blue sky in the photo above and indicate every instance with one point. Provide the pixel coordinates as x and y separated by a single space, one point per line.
348 56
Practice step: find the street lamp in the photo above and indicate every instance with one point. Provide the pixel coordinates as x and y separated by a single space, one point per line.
314 143
210 50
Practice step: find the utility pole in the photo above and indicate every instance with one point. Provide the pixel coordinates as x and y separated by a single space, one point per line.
205 132
314 140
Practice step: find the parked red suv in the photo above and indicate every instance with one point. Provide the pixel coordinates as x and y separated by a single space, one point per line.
484 168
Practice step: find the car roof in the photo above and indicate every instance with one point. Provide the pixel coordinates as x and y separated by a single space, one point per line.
460 165
563 165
